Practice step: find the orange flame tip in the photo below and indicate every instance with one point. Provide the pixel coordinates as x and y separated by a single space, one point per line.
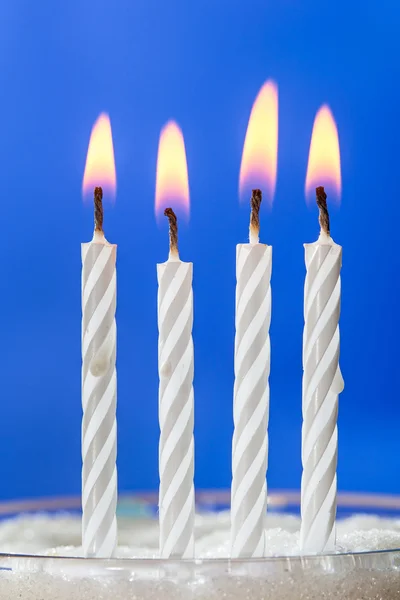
100 164
324 157
172 181
260 151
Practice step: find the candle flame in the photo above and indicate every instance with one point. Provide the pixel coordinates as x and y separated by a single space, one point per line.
100 164
172 181
324 158
260 150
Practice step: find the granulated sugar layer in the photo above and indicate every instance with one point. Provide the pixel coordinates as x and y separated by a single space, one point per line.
285 575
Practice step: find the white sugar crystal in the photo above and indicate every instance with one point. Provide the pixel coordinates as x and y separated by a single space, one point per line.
361 577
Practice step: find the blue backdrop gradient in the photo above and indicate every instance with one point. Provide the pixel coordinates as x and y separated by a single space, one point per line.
201 63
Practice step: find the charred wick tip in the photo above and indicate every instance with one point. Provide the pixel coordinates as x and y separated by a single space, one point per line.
98 209
168 212
255 203
173 230
323 210
256 198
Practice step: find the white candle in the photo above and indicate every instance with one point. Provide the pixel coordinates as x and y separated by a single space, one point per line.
251 392
176 402
322 382
99 383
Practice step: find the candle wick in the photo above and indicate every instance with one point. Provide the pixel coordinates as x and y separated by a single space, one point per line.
98 209
173 233
323 210
255 203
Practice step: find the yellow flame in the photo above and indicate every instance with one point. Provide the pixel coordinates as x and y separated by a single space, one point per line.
172 181
260 150
324 158
100 164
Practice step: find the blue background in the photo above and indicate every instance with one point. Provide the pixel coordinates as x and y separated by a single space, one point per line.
201 63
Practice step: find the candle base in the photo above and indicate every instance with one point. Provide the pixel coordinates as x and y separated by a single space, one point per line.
358 574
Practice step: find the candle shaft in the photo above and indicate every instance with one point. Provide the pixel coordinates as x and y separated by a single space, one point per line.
99 473
176 409
251 400
322 383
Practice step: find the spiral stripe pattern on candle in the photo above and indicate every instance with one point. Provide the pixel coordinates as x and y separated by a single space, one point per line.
176 410
320 397
99 384
251 400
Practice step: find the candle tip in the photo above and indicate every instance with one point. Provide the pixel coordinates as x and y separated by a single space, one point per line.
98 209
255 203
173 232
323 210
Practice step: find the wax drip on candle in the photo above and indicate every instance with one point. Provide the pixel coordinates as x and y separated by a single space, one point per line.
255 203
173 234
323 210
98 209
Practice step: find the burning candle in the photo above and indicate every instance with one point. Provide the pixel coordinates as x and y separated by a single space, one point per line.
252 343
175 361
99 381
322 380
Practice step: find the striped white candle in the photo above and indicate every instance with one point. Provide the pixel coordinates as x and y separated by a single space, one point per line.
251 392
176 402
99 383
322 382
